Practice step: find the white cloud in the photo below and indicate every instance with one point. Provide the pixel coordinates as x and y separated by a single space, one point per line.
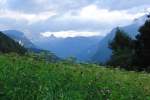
40 1
30 18
3 27
65 34
101 15
82 17
2 2
92 12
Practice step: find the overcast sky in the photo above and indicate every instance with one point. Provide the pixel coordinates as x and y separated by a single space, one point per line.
65 18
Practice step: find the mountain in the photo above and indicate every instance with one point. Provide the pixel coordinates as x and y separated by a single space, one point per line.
20 38
9 45
103 53
69 47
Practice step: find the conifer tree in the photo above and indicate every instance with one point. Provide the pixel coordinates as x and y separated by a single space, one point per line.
122 47
142 47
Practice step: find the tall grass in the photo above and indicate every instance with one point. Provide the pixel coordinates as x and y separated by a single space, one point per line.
23 78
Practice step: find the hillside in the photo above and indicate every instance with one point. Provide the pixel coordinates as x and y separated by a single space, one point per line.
9 45
19 37
23 78
103 53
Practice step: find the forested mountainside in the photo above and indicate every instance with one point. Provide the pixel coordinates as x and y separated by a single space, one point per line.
8 45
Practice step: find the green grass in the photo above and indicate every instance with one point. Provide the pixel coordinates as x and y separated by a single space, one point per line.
23 78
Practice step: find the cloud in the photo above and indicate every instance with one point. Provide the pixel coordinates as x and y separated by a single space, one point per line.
30 18
93 13
32 6
121 4
74 16
3 27
70 33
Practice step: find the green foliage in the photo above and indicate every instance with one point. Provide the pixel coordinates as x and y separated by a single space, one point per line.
132 54
142 47
122 50
8 45
24 78
43 56
70 60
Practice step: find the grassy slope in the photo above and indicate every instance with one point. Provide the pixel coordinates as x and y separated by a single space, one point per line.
22 78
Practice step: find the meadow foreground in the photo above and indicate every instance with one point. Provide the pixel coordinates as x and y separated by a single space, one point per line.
24 78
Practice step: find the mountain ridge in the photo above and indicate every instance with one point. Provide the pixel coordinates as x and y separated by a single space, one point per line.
8 45
20 37
103 53
68 47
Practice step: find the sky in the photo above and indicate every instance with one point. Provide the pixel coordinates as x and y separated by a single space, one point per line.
69 18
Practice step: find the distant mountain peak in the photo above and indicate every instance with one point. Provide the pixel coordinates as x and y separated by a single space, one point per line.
20 38
52 36
140 20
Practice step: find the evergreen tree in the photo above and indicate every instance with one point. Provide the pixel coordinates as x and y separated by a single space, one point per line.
122 48
142 47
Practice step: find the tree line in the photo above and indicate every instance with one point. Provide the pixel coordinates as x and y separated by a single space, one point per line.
129 53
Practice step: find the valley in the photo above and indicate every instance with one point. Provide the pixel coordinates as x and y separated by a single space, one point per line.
74 50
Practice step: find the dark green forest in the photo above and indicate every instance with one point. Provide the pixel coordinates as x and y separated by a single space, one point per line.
8 45
131 54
